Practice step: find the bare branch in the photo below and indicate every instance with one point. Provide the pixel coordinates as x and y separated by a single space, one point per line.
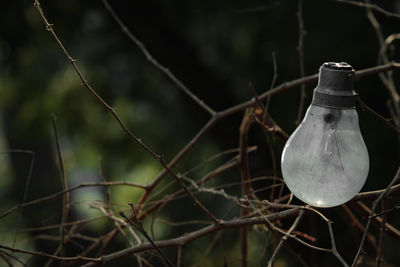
382 233
376 114
151 201
137 140
50 256
371 6
12 257
373 208
64 216
333 243
387 79
245 175
300 49
105 180
374 194
390 230
308 79
184 239
53 196
179 257
27 184
138 224
358 224
284 238
155 63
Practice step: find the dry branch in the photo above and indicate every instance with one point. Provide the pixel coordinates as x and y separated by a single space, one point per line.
371 6
248 202
373 208
155 63
300 49
65 207
284 238
179 241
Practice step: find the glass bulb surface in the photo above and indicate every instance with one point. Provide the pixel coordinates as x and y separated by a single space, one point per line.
325 161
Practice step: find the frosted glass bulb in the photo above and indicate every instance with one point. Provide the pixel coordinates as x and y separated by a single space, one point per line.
325 161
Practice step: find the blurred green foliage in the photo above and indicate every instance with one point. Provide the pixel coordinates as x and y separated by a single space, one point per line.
216 48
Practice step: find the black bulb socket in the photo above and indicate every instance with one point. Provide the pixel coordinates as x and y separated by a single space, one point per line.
335 86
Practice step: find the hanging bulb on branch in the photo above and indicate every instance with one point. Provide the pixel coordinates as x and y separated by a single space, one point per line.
325 161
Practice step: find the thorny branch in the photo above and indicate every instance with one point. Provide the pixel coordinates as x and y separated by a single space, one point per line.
155 63
137 140
269 212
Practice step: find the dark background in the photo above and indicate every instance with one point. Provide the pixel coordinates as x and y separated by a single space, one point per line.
216 48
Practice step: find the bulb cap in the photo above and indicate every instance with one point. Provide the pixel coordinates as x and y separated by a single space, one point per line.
335 86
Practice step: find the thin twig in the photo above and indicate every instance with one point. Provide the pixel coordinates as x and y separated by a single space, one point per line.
48 227
5 259
227 164
373 208
117 222
376 114
358 224
333 244
184 239
179 257
284 238
273 81
245 174
178 157
387 79
108 191
27 185
138 224
50 256
332 250
60 249
166 198
53 196
382 233
155 63
213 158
300 49
11 256
269 125
124 128
390 230
374 194
371 6
64 216
179 193
210 247
386 211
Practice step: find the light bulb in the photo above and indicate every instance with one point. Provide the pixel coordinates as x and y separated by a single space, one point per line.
325 161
